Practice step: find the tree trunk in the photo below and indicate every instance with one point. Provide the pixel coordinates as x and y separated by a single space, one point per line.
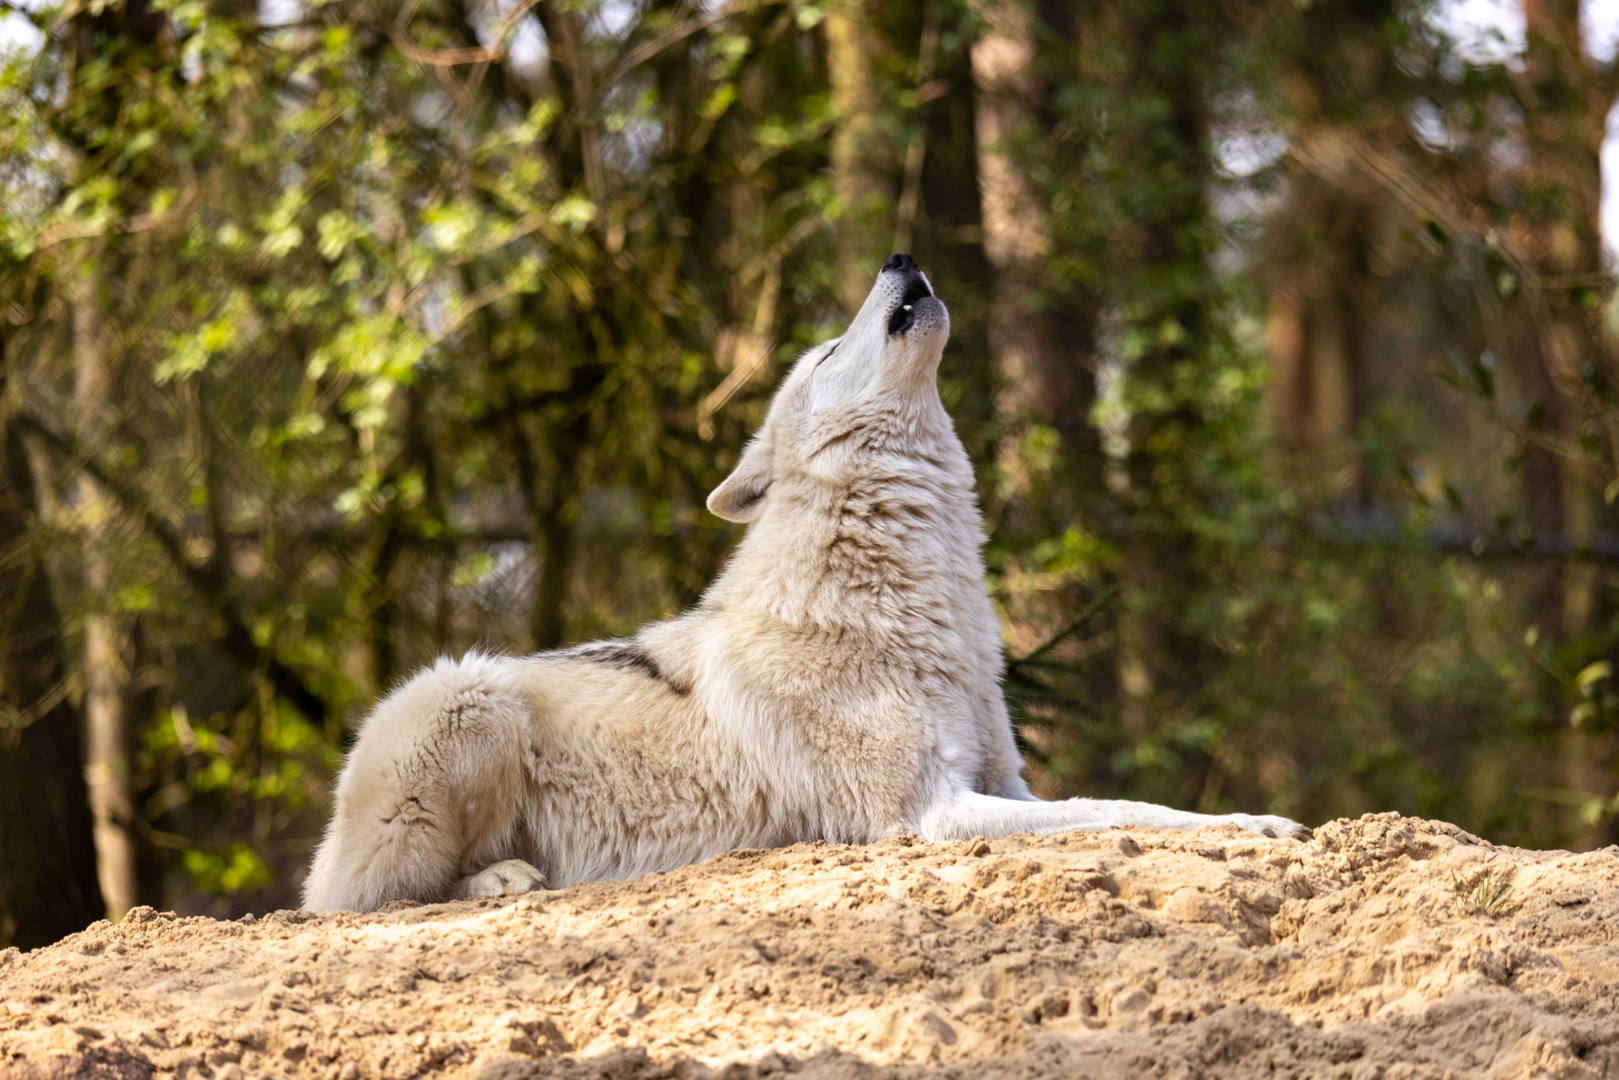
1045 351
107 769
47 851
1564 130
862 178
1316 393
1560 338
1287 340
551 506
554 544
1014 242
1163 262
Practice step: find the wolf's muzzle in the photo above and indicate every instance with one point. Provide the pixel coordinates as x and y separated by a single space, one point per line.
916 288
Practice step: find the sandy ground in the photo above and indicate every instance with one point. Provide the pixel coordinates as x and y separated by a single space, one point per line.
1387 947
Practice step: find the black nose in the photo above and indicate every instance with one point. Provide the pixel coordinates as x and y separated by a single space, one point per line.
897 261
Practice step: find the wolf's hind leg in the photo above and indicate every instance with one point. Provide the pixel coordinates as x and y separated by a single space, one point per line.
433 791
505 878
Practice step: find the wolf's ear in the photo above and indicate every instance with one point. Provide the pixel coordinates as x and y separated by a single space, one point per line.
742 494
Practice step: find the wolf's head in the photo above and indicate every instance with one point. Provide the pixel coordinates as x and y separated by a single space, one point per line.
865 401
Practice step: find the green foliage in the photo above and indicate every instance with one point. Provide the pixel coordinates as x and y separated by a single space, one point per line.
363 322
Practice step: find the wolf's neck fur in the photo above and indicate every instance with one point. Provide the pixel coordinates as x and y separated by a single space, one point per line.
881 552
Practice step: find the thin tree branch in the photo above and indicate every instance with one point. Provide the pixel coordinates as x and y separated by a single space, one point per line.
237 639
480 54
675 34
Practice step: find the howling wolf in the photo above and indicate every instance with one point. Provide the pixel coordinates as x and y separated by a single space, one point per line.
840 680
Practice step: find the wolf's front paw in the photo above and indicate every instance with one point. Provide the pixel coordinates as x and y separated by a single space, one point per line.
1270 825
501 879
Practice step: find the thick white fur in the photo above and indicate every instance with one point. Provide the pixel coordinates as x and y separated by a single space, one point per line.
840 680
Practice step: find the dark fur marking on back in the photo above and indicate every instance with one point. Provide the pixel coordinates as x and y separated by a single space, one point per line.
627 656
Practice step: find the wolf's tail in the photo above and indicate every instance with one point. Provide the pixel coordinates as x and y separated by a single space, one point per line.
432 790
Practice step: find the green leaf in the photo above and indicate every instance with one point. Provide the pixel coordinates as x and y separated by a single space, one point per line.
1592 674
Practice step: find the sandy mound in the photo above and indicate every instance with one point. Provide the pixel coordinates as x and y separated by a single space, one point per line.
1388 947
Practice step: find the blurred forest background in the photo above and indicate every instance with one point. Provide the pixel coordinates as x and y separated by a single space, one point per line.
340 334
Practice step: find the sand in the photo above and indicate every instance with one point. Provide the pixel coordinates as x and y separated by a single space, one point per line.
1386 947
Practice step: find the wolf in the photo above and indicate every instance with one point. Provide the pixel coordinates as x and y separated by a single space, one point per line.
839 680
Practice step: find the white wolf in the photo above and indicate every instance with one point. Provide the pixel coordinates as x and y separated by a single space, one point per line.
840 680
